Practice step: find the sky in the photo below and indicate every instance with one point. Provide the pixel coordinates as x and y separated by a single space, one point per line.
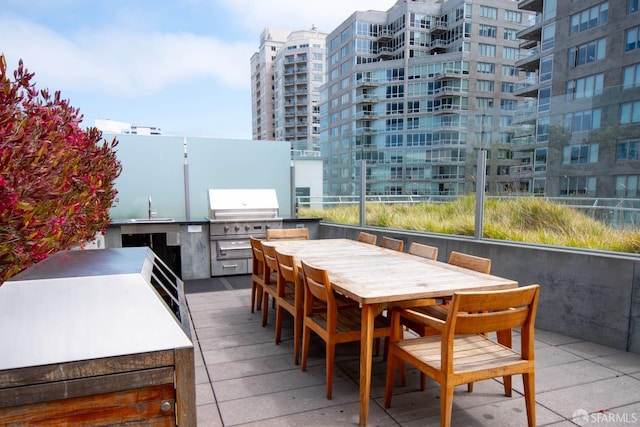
181 65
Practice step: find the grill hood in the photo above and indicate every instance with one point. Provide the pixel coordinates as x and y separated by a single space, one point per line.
225 204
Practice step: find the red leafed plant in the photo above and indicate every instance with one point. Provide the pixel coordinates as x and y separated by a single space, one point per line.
56 180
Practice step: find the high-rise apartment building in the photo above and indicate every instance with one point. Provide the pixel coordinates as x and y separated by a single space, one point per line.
417 90
579 129
287 74
262 84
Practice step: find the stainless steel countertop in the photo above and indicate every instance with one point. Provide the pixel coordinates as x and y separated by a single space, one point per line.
78 305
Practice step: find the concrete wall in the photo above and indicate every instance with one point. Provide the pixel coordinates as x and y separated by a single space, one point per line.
592 295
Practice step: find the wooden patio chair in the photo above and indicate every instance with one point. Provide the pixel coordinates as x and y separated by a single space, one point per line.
440 311
290 297
287 234
270 280
367 238
424 251
464 353
472 262
333 325
391 243
257 273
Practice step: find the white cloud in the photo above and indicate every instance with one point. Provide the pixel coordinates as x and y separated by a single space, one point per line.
126 62
292 15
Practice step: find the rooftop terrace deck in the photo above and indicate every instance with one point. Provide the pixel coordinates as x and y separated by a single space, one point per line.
243 378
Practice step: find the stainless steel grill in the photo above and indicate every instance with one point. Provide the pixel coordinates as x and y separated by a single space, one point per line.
235 215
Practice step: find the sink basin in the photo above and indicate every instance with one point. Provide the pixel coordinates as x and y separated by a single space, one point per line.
149 220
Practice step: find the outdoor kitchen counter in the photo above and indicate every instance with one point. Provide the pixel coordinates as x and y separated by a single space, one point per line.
188 237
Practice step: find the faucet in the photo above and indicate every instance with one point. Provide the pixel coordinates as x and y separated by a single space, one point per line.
151 213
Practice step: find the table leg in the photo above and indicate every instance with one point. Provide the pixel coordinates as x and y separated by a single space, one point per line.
369 312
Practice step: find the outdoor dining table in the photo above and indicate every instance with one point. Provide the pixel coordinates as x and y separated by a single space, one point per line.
380 278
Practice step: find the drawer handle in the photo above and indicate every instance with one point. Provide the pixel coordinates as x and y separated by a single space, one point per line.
230 266
166 406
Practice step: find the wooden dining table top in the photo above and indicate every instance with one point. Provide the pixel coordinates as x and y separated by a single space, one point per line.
371 274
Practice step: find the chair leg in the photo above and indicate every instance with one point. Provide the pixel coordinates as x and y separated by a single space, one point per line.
253 295
297 333
259 299
530 397
278 323
507 385
392 365
446 405
423 381
306 336
331 355
265 306
470 387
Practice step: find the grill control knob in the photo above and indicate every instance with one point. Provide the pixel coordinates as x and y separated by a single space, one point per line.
236 228
226 228
246 227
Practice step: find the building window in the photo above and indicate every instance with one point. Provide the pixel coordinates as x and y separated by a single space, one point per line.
546 68
630 113
540 160
632 6
590 18
488 31
484 85
510 34
585 87
627 186
542 130
488 12
394 124
395 91
508 104
577 185
548 37
415 173
588 52
544 99
506 121
512 16
507 87
413 123
393 140
583 120
395 108
628 150
510 53
632 39
486 49
484 102
413 106
344 36
485 67
510 70
631 76
577 154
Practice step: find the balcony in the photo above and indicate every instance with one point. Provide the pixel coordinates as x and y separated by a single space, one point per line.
518 172
533 31
367 98
385 35
531 5
527 87
440 26
529 61
385 52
